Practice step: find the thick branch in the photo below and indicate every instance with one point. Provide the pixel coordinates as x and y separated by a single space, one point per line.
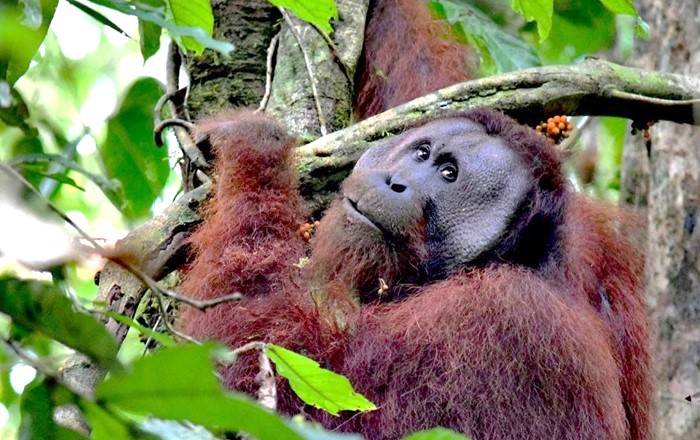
594 88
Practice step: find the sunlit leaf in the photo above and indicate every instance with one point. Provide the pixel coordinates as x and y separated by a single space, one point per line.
193 13
315 385
436 434
317 12
156 15
537 10
625 7
496 46
39 306
22 29
589 21
129 154
178 383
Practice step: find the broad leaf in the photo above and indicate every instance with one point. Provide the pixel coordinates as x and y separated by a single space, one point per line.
129 154
22 29
105 426
625 7
589 21
178 383
436 434
37 415
156 15
537 10
496 46
149 34
39 306
193 13
315 385
317 12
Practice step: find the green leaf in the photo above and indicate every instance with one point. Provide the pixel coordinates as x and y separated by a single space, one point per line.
105 426
537 10
36 408
178 383
317 386
193 13
129 154
161 338
317 12
496 46
39 306
98 16
642 29
21 34
589 21
112 188
625 7
13 109
436 434
156 15
149 38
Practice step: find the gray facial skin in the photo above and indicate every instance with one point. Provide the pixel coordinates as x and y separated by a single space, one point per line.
464 184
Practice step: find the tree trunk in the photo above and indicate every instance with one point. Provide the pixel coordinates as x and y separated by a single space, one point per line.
670 186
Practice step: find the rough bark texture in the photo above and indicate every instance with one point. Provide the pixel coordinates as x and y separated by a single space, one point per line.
292 100
217 82
673 200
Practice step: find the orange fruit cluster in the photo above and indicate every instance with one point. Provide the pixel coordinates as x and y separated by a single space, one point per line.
307 230
556 129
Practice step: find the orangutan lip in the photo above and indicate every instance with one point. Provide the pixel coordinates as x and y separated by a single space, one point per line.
352 211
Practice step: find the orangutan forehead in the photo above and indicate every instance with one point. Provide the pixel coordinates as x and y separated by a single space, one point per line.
448 127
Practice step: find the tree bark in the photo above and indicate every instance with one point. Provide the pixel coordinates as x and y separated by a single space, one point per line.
670 187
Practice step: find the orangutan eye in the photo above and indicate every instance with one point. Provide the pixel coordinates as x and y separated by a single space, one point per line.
422 152
448 172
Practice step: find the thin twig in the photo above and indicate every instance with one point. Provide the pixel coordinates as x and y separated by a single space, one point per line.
41 367
250 346
138 273
51 206
168 326
158 289
267 393
309 70
269 72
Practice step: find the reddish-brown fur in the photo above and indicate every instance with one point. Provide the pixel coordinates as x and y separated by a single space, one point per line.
500 350
406 55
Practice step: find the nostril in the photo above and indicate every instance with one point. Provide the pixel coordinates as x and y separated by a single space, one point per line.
397 187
